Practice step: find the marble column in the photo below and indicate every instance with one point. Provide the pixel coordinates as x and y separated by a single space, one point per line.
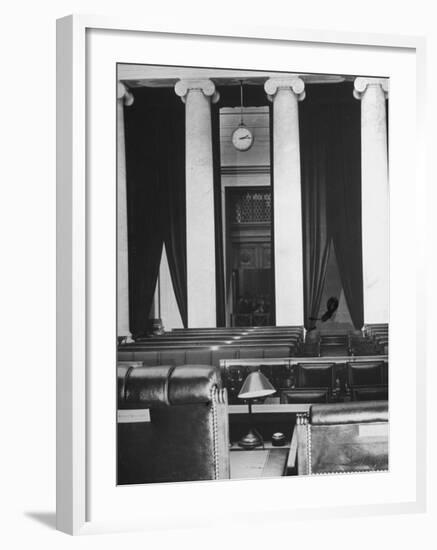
197 96
375 197
285 94
124 97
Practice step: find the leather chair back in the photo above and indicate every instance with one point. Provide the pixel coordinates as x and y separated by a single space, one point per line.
315 375
187 437
342 437
368 373
371 393
303 395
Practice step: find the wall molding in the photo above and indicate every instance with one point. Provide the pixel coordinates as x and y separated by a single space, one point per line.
245 170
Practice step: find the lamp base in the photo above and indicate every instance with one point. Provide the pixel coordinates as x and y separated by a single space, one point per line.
251 440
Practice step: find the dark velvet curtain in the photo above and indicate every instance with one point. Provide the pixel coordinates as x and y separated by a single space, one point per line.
155 175
330 130
344 202
218 222
314 153
173 134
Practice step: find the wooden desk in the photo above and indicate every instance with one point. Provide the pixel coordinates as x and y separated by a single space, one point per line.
258 463
263 408
143 415
291 361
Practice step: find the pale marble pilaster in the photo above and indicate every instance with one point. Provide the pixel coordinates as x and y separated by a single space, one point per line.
197 96
375 197
124 97
285 94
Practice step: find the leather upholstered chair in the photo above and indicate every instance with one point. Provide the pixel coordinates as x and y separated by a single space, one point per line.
315 375
304 395
187 437
341 437
371 393
365 373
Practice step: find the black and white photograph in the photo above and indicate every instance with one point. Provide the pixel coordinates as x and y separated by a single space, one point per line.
252 274
218 305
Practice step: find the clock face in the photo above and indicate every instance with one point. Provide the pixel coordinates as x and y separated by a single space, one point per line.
242 138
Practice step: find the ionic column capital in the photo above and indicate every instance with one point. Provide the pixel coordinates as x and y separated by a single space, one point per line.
124 95
362 83
295 84
206 86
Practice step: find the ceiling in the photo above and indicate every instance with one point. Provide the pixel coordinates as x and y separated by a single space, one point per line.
166 76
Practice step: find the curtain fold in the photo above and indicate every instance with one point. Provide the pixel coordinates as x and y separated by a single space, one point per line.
330 139
315 231
143 209
173 162
155 175
344 202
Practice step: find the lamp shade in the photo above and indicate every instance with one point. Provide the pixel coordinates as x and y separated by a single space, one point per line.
256 385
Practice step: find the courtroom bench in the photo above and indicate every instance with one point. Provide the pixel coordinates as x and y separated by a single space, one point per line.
211 355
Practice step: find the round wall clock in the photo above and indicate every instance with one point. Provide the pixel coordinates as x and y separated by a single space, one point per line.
242 138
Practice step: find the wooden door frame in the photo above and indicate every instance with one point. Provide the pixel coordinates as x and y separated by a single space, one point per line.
250 180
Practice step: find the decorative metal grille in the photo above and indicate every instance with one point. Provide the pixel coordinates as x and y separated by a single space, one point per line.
251 206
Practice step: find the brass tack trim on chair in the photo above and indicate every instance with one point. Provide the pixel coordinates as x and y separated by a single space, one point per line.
302 418
310 468
350 473
214 400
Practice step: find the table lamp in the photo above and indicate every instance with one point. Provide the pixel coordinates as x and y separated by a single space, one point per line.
256 385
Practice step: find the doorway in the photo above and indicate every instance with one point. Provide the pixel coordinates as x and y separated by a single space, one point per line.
249 263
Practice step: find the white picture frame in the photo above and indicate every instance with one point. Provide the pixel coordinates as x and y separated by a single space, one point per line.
75 212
